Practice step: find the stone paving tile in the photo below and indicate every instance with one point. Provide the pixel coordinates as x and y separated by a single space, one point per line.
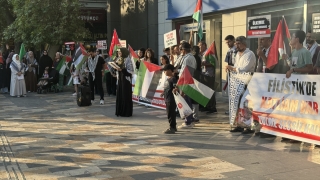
51 138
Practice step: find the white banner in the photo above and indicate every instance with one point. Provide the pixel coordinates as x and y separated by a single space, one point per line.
287 107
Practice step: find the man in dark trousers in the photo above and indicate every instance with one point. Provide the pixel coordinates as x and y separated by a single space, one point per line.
96 71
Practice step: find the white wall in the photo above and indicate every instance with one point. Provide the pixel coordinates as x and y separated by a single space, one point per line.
164 25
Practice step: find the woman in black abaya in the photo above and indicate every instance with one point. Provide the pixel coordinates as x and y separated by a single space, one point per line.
44 62
124 88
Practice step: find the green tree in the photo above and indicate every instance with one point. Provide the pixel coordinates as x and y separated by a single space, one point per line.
38 22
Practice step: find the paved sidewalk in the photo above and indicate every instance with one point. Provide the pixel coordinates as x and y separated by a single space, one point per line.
47 136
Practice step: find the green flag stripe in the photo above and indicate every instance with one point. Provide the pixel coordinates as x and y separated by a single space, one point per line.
194 94
211 59
140 79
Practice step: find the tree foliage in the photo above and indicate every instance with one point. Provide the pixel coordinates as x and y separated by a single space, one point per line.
45 21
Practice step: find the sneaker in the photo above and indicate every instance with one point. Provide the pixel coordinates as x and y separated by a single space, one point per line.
74 94
185 126
237 129
169 131
212 111
101 101
92 101
247 131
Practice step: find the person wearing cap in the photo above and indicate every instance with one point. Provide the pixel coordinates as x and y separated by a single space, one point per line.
187 59
245 61
96 71
167 94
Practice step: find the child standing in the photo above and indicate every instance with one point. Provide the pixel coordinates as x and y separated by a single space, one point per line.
169 85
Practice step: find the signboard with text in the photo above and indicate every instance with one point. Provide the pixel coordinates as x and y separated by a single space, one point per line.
102 44
316 23
259 26
170 39
287 107
123 43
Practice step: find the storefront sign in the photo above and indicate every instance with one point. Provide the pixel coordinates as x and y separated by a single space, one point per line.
287 107
93 15
170 39
192 27
123 43
102 44
259 26
316 22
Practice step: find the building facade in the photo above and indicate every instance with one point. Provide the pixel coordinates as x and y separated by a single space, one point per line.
222 18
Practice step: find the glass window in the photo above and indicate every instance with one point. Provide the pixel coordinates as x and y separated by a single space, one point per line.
292 12
313 7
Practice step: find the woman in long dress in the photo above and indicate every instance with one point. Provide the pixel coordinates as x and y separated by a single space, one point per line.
124 89
17 86
31 73
45 62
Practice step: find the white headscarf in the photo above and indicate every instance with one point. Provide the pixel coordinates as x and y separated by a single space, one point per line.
14 59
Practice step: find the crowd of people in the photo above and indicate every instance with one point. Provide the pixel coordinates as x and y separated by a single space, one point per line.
19 77
303 60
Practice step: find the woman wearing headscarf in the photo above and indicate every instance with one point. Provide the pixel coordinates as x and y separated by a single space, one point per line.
44 62
124 88
18 86
31 73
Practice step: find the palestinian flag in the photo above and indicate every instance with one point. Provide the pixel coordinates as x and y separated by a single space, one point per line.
211 54
147 80
133 56
114 43
280 44
64 66
196 85
198 16
80 57
22 52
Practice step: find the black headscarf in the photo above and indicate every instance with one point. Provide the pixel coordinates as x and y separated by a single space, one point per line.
45 61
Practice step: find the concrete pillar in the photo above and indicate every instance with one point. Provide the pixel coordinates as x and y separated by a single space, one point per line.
113 18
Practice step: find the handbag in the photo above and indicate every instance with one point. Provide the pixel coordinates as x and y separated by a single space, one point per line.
183 107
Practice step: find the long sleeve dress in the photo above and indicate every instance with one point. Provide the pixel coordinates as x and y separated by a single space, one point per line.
124 90
17 86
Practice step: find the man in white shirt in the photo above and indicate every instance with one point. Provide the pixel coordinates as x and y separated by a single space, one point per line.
245 61
187 59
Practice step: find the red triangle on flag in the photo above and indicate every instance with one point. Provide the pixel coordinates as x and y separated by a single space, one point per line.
151 67
185 78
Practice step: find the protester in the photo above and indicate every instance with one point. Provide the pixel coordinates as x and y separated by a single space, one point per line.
45 62
208 69
31 72
166 51
141 54
18 86
174 54
56 62
124 105
149 57
8 72
245 61
75 74
164 60
187 60
195 105
314 49
300 61
231 54
96 72
169 85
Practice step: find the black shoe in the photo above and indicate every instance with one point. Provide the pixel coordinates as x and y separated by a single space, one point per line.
264 135
203 109
237 129
247 131
196 121
212 111
169 131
